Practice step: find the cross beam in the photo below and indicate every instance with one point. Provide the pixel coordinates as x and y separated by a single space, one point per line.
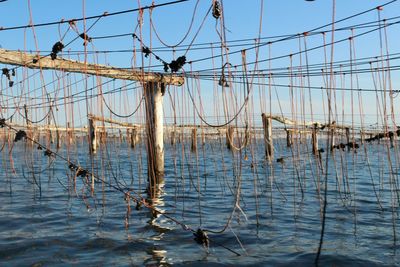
32 61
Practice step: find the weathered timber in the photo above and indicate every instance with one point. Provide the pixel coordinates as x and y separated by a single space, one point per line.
269 147
155 136
32 61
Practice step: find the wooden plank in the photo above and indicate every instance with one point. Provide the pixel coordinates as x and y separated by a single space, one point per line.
31 61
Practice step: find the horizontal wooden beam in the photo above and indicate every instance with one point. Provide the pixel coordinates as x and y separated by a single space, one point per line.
102 119
32 61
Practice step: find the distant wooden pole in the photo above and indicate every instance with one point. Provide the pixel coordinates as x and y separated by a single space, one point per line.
314 140
155 135
28 126
391 138
194 140
134 137
269 147
229 137
348 137
289 138
333 140
92 136
173 136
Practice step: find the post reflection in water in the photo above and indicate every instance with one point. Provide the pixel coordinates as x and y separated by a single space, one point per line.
157 253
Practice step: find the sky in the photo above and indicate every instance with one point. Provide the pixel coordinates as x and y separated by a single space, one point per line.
189 23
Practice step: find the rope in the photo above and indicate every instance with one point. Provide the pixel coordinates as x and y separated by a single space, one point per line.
200 234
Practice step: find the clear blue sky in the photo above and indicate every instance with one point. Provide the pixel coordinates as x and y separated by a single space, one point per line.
242 21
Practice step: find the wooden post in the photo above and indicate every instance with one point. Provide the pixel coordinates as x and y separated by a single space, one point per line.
269 147
134 137
314 140
347 129
333 139
92 136
29 132
194 140
173 136
391 138
155 135
229 137
289 138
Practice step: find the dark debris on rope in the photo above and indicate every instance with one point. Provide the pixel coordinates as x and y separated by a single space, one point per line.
177 64
57 48
86 38
19 135
201 237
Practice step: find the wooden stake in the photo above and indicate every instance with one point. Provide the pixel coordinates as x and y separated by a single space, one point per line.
155 135
134 138
391 138
194 140
289 138
348 137
229 137
173 137
92 136
269 147
314 140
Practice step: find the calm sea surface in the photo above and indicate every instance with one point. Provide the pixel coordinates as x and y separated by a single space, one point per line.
269 214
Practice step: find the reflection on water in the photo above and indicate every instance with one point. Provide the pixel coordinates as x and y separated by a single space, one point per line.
278 223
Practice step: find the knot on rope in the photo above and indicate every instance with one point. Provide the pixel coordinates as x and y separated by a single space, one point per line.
57 48
216 9
19 135
2 123
280 160
201 237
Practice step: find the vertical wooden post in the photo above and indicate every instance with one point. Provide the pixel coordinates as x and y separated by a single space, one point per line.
29 132
194 140
314 140
269 147
58 139
391 138
229 137
348 138
155 135
92 136
134 137
289 138
332 132
172 136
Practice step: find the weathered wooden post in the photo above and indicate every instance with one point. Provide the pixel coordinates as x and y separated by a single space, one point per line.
92 135
155 134
29 131
229 137
314 140
269 147
348 138
134 137
333 139
172 136
194 140
391 138
289 138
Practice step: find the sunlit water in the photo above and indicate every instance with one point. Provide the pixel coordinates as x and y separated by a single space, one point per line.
274 224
